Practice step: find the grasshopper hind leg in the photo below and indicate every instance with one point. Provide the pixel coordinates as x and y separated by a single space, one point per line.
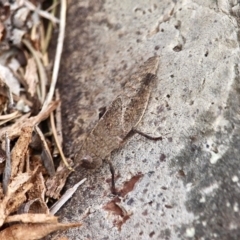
112 170
146 135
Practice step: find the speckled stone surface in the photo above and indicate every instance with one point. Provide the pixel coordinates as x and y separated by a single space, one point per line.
190 180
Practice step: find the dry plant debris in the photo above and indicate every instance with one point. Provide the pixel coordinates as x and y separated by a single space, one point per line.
30 120
121 215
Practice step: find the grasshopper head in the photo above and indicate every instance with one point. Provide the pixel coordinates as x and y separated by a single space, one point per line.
89 161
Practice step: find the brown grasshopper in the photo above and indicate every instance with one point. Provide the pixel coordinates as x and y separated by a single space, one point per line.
120 118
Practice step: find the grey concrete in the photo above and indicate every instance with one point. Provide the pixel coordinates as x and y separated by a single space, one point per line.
190 187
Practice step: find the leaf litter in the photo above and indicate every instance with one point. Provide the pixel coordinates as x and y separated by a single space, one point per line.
30 121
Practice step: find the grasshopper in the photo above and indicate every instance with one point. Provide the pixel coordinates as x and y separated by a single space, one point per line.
121 117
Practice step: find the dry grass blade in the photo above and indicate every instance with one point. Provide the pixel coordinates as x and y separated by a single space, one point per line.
58 118
44 14
68 194
9 116
32 218
46 155
41 70
57 142
58 53
50 28
8 167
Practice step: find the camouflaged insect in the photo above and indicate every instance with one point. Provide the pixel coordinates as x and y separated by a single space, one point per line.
121 117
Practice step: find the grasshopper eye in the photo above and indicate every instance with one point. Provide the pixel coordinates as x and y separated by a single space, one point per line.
87 159
87 162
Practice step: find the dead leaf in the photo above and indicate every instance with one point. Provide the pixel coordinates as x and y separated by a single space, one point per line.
55 184
33 231
31 77
16 194
20 149
37 193
13 200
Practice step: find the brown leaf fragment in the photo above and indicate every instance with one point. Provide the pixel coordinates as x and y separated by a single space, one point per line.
31 76
36 162
20 149
130 184
32 218
55 184
17 183
119 212
113 207
13 200
33 231
37 193
16 194
39 187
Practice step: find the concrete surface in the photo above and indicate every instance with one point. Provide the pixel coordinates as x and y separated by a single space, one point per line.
187 185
